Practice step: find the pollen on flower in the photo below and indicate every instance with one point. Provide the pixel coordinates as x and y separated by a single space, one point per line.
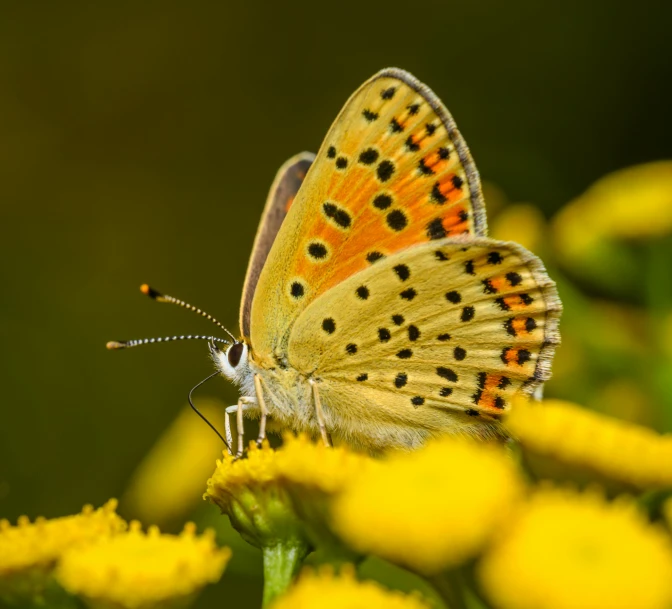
328 591
137 570
250 492
257 469
41 543
566 549
314 465
432 509
593 443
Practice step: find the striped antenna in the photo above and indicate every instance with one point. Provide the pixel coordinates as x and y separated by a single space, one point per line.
156 295
127 344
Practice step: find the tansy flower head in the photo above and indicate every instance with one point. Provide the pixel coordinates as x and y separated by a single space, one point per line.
315 466
327 591
313 474
431 509
589 444
629 203
143 571
250 492
29 551
566 550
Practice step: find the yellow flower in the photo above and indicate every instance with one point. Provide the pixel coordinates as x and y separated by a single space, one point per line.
567 550
314 466
250 492
29 551
586 443
327 591
431 509
169 481
257 469
141 571
630 203
313 474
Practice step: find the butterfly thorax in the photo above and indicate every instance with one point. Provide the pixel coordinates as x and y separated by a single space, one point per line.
287 392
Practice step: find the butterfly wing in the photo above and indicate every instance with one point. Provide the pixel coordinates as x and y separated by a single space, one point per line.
280 198
392 172
443 334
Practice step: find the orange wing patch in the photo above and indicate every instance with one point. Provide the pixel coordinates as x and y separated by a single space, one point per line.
393 172
490 392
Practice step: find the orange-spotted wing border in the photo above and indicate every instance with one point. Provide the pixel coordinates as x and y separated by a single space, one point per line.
473 177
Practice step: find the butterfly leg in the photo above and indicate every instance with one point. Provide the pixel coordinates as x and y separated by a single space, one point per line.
262 407
244 403
319 413
227 427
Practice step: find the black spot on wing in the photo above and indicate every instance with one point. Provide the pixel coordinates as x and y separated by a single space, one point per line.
337 214
468 313
447 373
368 156
369 115
413 333
454 297
402 271
435 229
362 292
385 170
397 220
400 380
384 335
297 290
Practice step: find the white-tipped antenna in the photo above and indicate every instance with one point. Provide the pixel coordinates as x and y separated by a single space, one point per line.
156 295
127 344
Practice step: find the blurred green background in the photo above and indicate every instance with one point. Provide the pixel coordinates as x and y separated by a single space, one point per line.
137 144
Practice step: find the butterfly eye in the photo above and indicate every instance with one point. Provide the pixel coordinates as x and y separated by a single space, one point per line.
235 353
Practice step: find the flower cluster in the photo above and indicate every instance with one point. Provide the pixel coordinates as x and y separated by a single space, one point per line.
586 444
143 570
574 511
97 557
465 515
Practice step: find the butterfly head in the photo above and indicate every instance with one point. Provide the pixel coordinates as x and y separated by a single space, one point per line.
233 361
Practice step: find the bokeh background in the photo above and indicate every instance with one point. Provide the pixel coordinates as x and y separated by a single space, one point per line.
137 144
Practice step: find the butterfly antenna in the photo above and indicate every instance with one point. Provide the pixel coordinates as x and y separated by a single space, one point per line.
127 344
156 295
200 414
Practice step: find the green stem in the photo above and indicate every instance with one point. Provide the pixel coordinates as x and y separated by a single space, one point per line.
450 588
281 563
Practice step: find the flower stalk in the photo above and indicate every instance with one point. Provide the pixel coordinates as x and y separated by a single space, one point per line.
281 564
450 586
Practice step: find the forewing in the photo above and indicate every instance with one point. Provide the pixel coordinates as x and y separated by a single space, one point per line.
392 172
453 325
280 198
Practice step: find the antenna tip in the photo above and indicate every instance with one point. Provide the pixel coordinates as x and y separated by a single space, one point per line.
114 344
149 291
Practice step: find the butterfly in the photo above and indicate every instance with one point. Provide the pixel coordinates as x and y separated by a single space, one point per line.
376 312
